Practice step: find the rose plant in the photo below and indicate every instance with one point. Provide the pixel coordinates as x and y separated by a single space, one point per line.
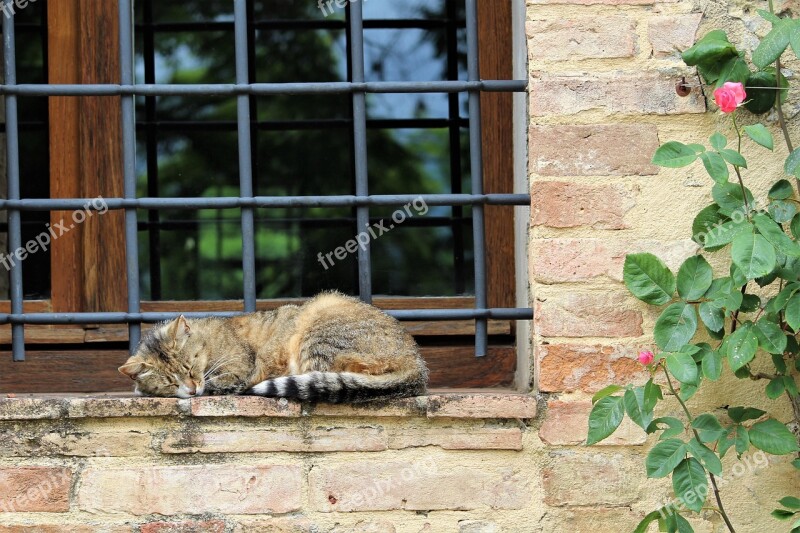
750 317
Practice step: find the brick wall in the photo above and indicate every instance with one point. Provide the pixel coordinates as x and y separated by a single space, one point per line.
602 98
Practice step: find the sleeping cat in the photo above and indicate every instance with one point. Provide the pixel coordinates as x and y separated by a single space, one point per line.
333 348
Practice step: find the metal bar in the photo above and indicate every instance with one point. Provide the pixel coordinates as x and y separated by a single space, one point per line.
233 202
151 148
476 172
333 87
293 125
152 317
245 157
14 215
360 147
129 166
424 24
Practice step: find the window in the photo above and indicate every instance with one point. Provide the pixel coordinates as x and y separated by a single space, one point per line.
320 164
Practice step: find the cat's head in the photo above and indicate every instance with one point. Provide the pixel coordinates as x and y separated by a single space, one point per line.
162 366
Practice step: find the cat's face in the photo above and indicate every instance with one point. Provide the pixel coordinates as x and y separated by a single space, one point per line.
162 367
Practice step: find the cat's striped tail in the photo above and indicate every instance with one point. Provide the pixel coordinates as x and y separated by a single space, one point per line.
340 387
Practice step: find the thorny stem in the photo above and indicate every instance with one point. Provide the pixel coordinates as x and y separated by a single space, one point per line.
722 512
735 315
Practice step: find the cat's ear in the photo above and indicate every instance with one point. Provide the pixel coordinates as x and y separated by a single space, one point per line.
133 367
179 330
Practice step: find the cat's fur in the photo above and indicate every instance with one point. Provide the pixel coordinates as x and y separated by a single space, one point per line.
334 348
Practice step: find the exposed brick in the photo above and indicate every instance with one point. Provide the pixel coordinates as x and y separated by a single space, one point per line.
458 438
169 490
35 488
588 368
672 34
635 93
218 406
187 526
317 440
83 444
564 260
368 526
597 519
560 204
567 423
593 150
589 478
276 525
594 2
563 39
588 315
405 407
486 405
63 527
424 485
30 408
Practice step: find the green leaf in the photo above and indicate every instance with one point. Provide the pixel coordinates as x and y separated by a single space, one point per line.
716 167
794 226
790 385
646 521
782 514
674 155
683 367
794 41
648 278
718 141
734 69
605 391
723 234
706 456
675 327
782 188
753 254
712 48
761 135
772 437
793 312
742 346
760 100
708 427
652 394
778 362
694 277
708 218
712 316
605 418
790 501
635 407
781 211
690 483
792 162
664 457
733 157
674 427
770 336
770 17
688 390
741 440
683 525
712 365
729 198
775 388
743 414
724 443
774 43
750 302
775 235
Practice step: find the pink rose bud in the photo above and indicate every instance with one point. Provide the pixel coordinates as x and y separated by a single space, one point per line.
646 357
729 96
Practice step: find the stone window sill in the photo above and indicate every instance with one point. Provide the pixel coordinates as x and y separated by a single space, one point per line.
438 404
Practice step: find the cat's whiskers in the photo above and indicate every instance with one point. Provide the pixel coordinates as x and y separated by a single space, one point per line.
216 366
218 376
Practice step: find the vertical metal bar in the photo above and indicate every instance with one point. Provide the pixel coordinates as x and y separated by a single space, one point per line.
360 146
476 169
151 144
129 165
14 215
245 156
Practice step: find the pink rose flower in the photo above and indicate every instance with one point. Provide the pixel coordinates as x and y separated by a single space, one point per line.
646 357
729 96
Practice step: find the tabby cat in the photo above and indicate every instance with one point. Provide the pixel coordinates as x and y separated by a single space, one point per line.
333 348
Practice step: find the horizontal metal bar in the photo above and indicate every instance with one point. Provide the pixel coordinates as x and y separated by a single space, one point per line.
333 87
64 204
298 24
135 318
292 125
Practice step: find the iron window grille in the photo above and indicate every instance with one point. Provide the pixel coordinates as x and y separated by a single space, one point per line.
247 202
